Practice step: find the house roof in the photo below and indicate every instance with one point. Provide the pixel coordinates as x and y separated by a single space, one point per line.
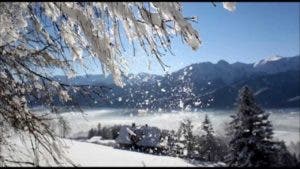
150 136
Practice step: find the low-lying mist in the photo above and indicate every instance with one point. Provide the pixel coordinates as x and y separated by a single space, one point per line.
285 121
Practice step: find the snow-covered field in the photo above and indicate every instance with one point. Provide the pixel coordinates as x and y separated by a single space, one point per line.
285 121
90 154
87 154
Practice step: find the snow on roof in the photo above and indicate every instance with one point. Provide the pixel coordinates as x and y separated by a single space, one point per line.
130 131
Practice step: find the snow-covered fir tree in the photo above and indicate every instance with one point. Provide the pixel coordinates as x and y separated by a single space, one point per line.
186 137
207 143
99 129
251 144
282 157
172 140
207 127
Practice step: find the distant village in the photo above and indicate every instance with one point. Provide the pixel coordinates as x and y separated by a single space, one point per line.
250 134
182 143
149 139
132 137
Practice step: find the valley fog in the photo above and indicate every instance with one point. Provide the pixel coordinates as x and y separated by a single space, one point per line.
285 121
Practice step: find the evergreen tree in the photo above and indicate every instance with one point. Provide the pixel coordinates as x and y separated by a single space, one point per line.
92 132
207 127
207 144
251 144
172 141
282 157
185 136
99 132
115 131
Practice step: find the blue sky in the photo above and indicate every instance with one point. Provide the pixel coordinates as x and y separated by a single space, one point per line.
253 32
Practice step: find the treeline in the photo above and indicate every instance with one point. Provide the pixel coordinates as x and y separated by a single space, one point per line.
206 147
181 143
106 132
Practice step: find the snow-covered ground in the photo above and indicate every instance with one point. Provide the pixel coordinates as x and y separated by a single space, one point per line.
87 154
90 154
286 125
99 140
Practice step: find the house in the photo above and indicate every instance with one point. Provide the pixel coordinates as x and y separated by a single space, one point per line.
143 137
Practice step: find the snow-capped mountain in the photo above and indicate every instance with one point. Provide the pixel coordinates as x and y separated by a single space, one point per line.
199 72
267 60
275 81
276 64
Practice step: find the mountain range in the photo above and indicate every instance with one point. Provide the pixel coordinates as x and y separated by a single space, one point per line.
275 82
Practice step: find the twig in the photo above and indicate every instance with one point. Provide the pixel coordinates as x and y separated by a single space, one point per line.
19 162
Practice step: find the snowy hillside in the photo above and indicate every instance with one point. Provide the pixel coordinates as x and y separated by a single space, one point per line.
89 154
